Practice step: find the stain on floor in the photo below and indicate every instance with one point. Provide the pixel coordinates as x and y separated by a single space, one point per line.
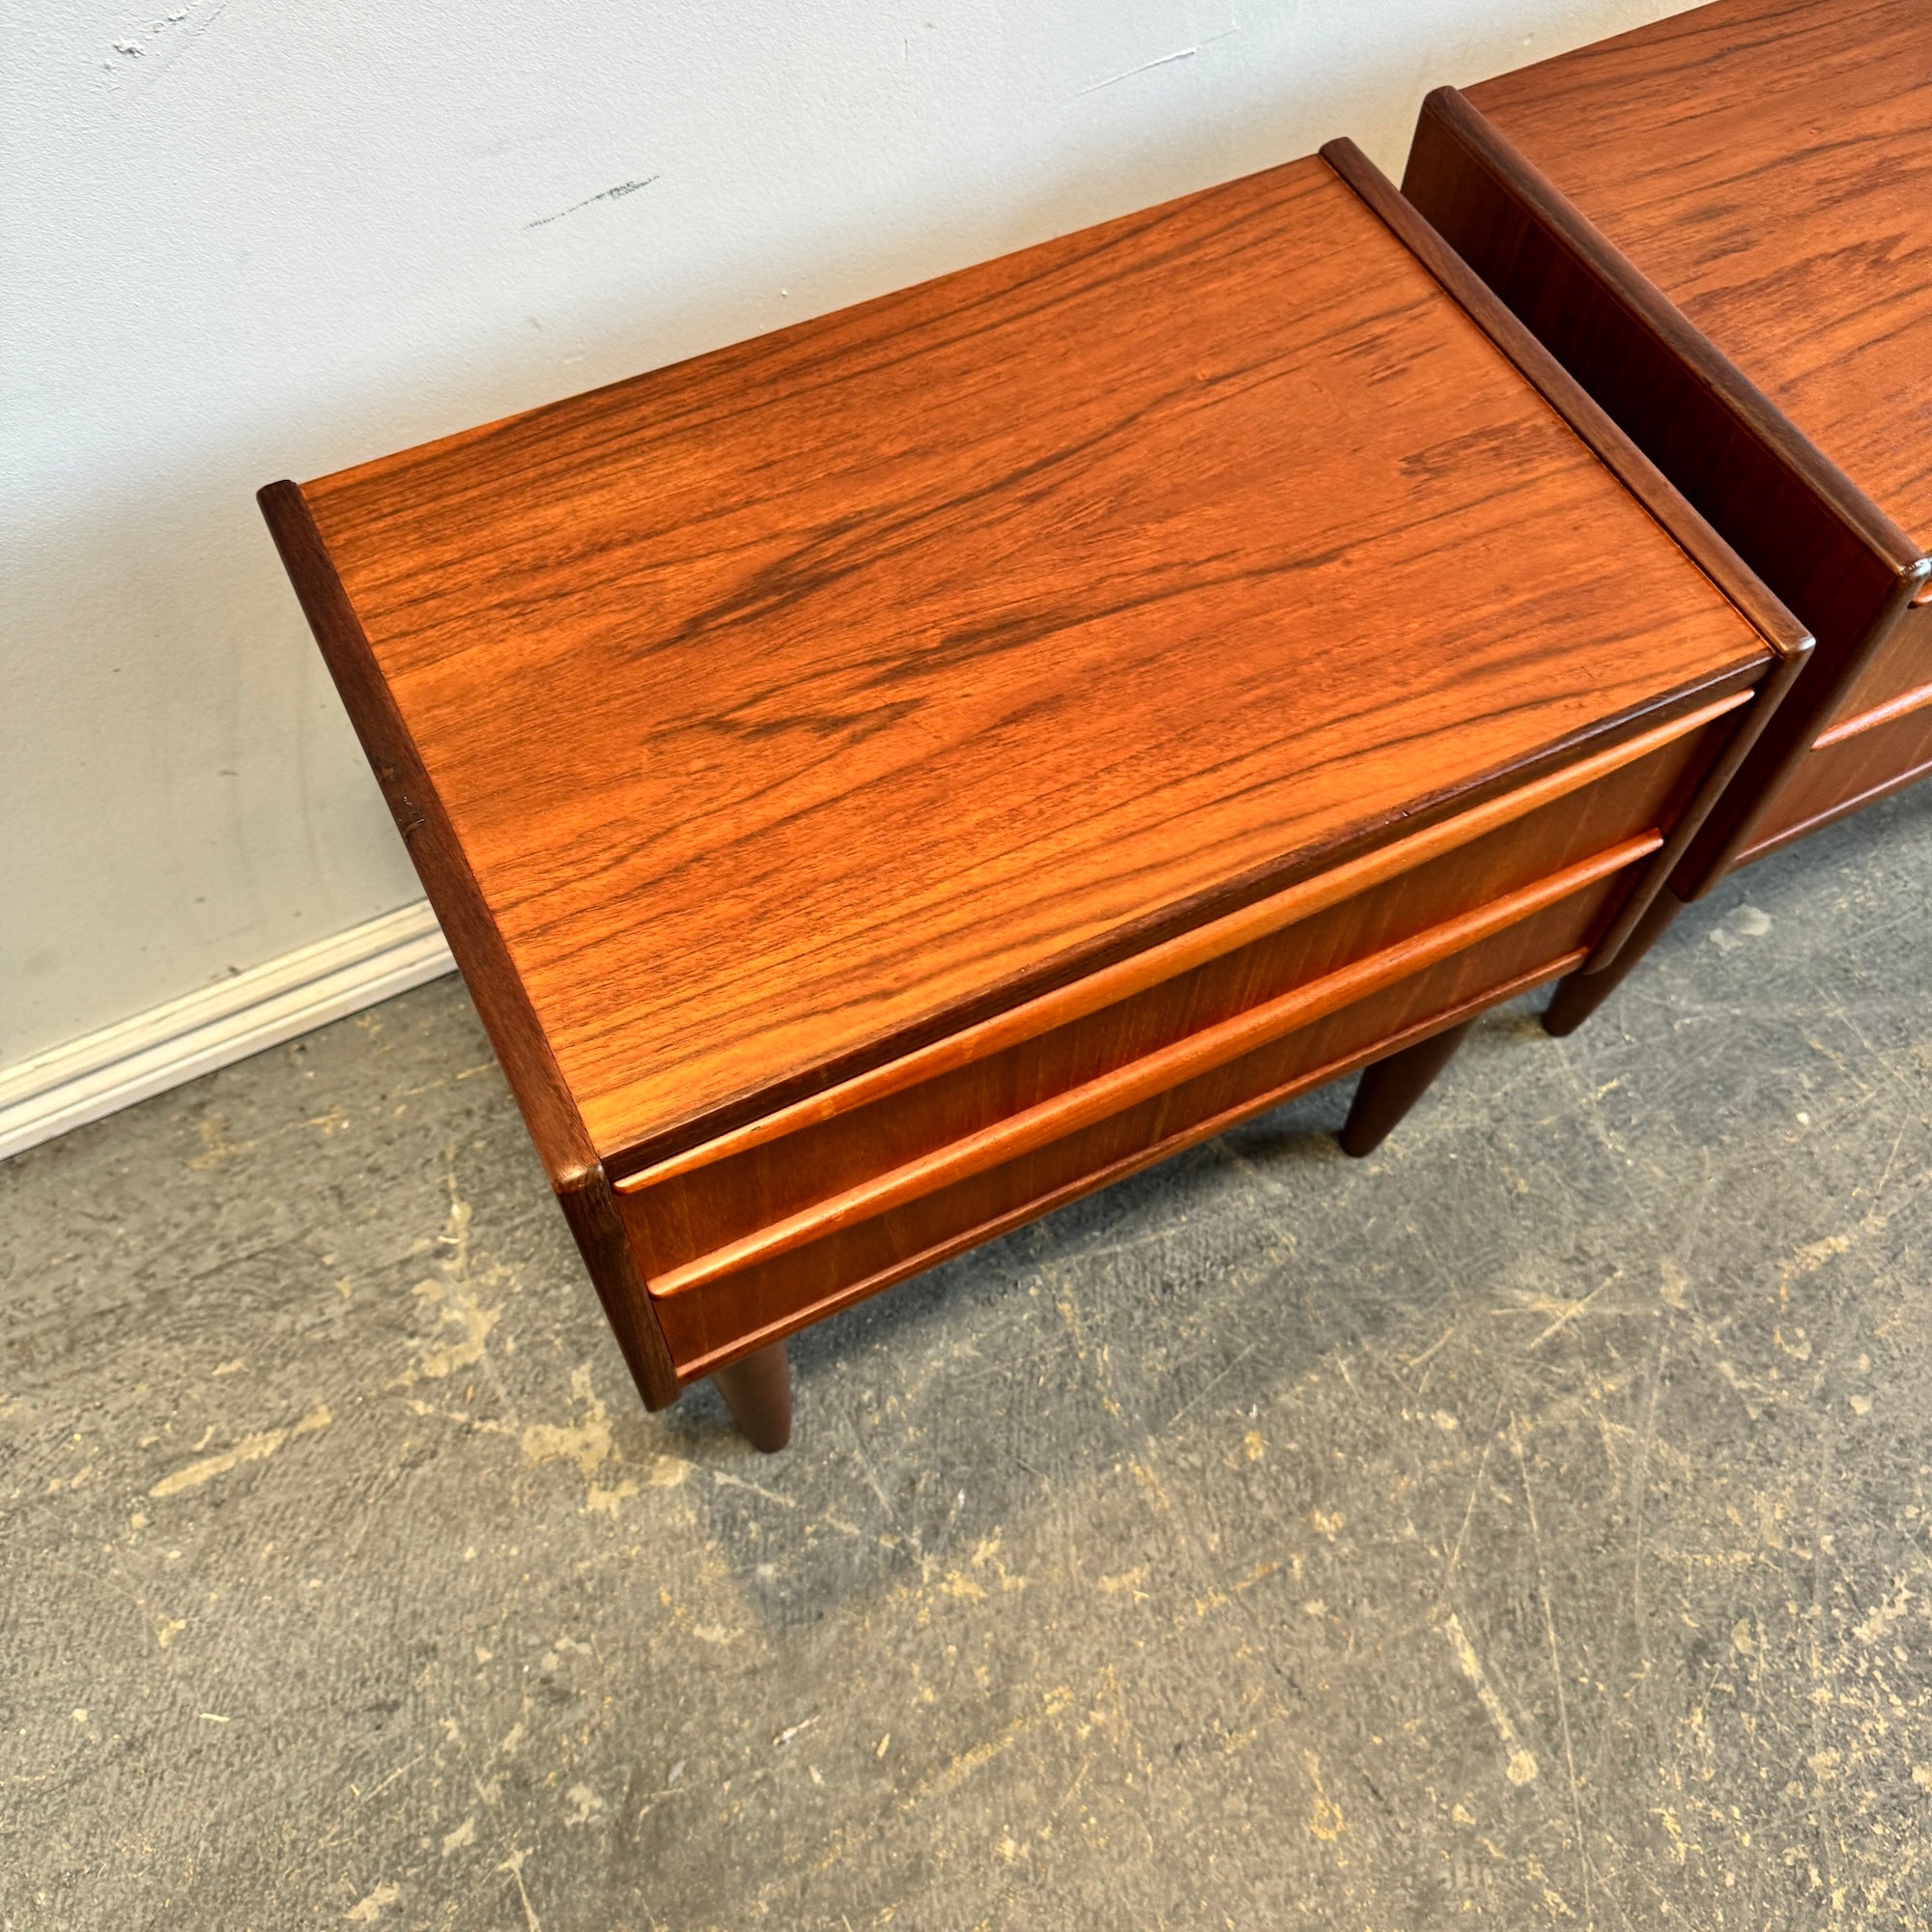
1528 1526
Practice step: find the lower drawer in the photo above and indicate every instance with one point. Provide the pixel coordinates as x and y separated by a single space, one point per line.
716 1318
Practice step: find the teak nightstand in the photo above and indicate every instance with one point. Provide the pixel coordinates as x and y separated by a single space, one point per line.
1722 224
885 779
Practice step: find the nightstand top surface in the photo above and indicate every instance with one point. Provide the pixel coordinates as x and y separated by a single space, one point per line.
1767 164
797 703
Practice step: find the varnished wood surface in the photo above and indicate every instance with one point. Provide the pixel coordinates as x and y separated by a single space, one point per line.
1767 165
800 703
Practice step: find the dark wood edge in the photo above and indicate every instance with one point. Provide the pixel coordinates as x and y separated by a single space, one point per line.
590 1207
1728 845
1669 867
1201 1130
1787 639
549 1112
1666 505
1262 882
1463 122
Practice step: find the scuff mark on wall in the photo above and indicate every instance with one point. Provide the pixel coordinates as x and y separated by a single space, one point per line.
617 193
165 36
1147 66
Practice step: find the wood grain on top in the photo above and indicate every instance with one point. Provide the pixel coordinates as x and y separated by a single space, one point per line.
1767 165
790 700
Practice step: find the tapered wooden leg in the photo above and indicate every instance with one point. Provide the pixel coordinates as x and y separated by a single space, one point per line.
1579 996
1389 1087
757 1391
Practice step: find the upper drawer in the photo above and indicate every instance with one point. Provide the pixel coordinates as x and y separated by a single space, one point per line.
1897 680
690 1215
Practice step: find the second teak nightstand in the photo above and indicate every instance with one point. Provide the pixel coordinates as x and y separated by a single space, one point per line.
1722 224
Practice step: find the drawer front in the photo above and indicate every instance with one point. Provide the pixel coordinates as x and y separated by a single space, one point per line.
705 1326
1898 678
1877 737
685 1215
1844 774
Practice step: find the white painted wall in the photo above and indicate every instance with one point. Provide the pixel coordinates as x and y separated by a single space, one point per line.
251 238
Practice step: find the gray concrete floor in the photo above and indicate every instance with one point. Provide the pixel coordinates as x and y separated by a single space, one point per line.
1529 1524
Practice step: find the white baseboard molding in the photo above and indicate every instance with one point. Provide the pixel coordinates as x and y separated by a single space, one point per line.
102 1071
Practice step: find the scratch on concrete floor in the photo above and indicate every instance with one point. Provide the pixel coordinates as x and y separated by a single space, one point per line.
371 1907
617 193
587 1443
1325 1820
514 1865
250 1449
1555 1669
1522 1766
959 1768
1562 1307
724 1479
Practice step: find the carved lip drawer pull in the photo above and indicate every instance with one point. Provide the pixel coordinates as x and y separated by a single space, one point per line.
1901 707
